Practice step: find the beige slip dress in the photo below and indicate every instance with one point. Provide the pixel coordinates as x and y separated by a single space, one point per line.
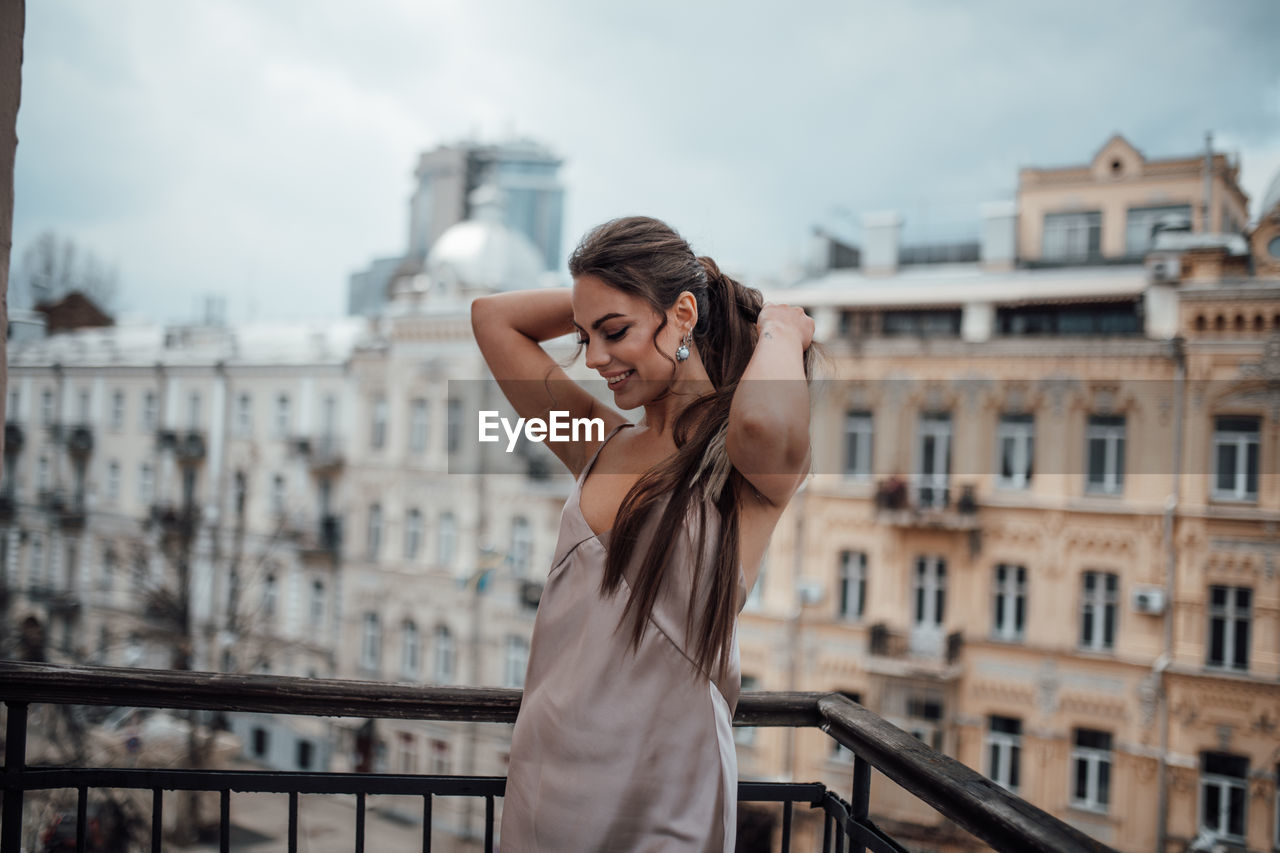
615 751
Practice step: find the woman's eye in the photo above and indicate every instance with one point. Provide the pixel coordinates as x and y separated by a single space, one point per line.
582 340
617 336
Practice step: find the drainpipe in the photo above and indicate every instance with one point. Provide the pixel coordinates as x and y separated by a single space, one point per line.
1208 181
1170 590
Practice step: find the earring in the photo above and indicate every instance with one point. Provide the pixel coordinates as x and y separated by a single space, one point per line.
682 352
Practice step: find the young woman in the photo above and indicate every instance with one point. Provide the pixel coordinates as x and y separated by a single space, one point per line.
624 741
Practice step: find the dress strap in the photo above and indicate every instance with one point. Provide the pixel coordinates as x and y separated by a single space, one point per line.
592 461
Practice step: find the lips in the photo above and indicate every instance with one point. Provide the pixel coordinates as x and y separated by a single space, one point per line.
616 381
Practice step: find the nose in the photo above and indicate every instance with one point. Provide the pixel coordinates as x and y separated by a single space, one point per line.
595 356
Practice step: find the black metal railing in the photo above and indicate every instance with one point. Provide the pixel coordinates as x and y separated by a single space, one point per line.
960 794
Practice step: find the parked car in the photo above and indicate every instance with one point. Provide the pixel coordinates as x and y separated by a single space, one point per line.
106 830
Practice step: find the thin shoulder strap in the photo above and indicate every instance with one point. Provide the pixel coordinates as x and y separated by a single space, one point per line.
592 461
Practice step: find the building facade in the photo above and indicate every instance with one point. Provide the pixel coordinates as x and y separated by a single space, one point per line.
1041 531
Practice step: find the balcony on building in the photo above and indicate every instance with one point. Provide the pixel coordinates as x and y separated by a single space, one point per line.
175 519
189 446
926 506
324 453
916 652
66 508
79 440
322 539
810 812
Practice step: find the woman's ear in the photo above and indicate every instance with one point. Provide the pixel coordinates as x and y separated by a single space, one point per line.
686 310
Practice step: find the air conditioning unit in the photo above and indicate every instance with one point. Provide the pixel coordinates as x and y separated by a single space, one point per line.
1149 600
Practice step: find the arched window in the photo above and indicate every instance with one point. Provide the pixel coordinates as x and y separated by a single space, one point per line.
444 655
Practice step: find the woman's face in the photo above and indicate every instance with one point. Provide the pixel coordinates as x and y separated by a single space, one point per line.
616 330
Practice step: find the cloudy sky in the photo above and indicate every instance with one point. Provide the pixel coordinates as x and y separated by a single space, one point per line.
264 150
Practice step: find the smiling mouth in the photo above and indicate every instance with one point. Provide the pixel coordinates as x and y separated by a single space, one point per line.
619 379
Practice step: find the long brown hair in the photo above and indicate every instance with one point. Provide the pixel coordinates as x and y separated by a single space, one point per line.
647 258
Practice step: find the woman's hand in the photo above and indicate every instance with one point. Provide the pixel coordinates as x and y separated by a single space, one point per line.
791 318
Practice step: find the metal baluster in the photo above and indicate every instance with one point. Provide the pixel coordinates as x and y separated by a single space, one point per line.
293 822
224 823
82 816
840 840
488 824
860 802
426 823
15 751
786 827
360 823
826 833
157 818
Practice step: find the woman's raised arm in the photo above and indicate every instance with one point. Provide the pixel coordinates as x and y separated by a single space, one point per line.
510 328
768 433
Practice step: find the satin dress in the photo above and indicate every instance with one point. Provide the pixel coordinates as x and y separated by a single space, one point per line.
614 751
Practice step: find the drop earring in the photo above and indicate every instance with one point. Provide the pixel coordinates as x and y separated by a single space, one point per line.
682 351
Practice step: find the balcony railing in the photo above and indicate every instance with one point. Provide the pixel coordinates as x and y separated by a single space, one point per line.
960 794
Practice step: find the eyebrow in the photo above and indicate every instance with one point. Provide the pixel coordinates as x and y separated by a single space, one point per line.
596 324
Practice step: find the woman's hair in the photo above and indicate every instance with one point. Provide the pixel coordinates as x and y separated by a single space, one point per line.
647 258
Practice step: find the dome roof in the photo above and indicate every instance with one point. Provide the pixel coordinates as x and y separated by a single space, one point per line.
482 252
1271 198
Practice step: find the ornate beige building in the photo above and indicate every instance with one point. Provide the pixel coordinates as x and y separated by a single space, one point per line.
1042 530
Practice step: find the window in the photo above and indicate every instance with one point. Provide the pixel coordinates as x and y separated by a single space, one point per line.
1098 611
1015 439
1010 611
35 571
270 591
418 420
934 448
107 578
117 410
1141 222
412 534
141 570
378 428
447 539
410 650
282 416
150 411
408 753
521 545
444 652
193 410
924 720
42 474
857 445
46 407
113 481
14 413
1223 787
1235 458
851 597
439 758
306 749
82 410
517 661
1072 236
317 605
1104 440
746 735
454 425
1229 617
374 539
261 742
244 415
371 642
1004 751
1091 770
277 495
146 483
930 587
